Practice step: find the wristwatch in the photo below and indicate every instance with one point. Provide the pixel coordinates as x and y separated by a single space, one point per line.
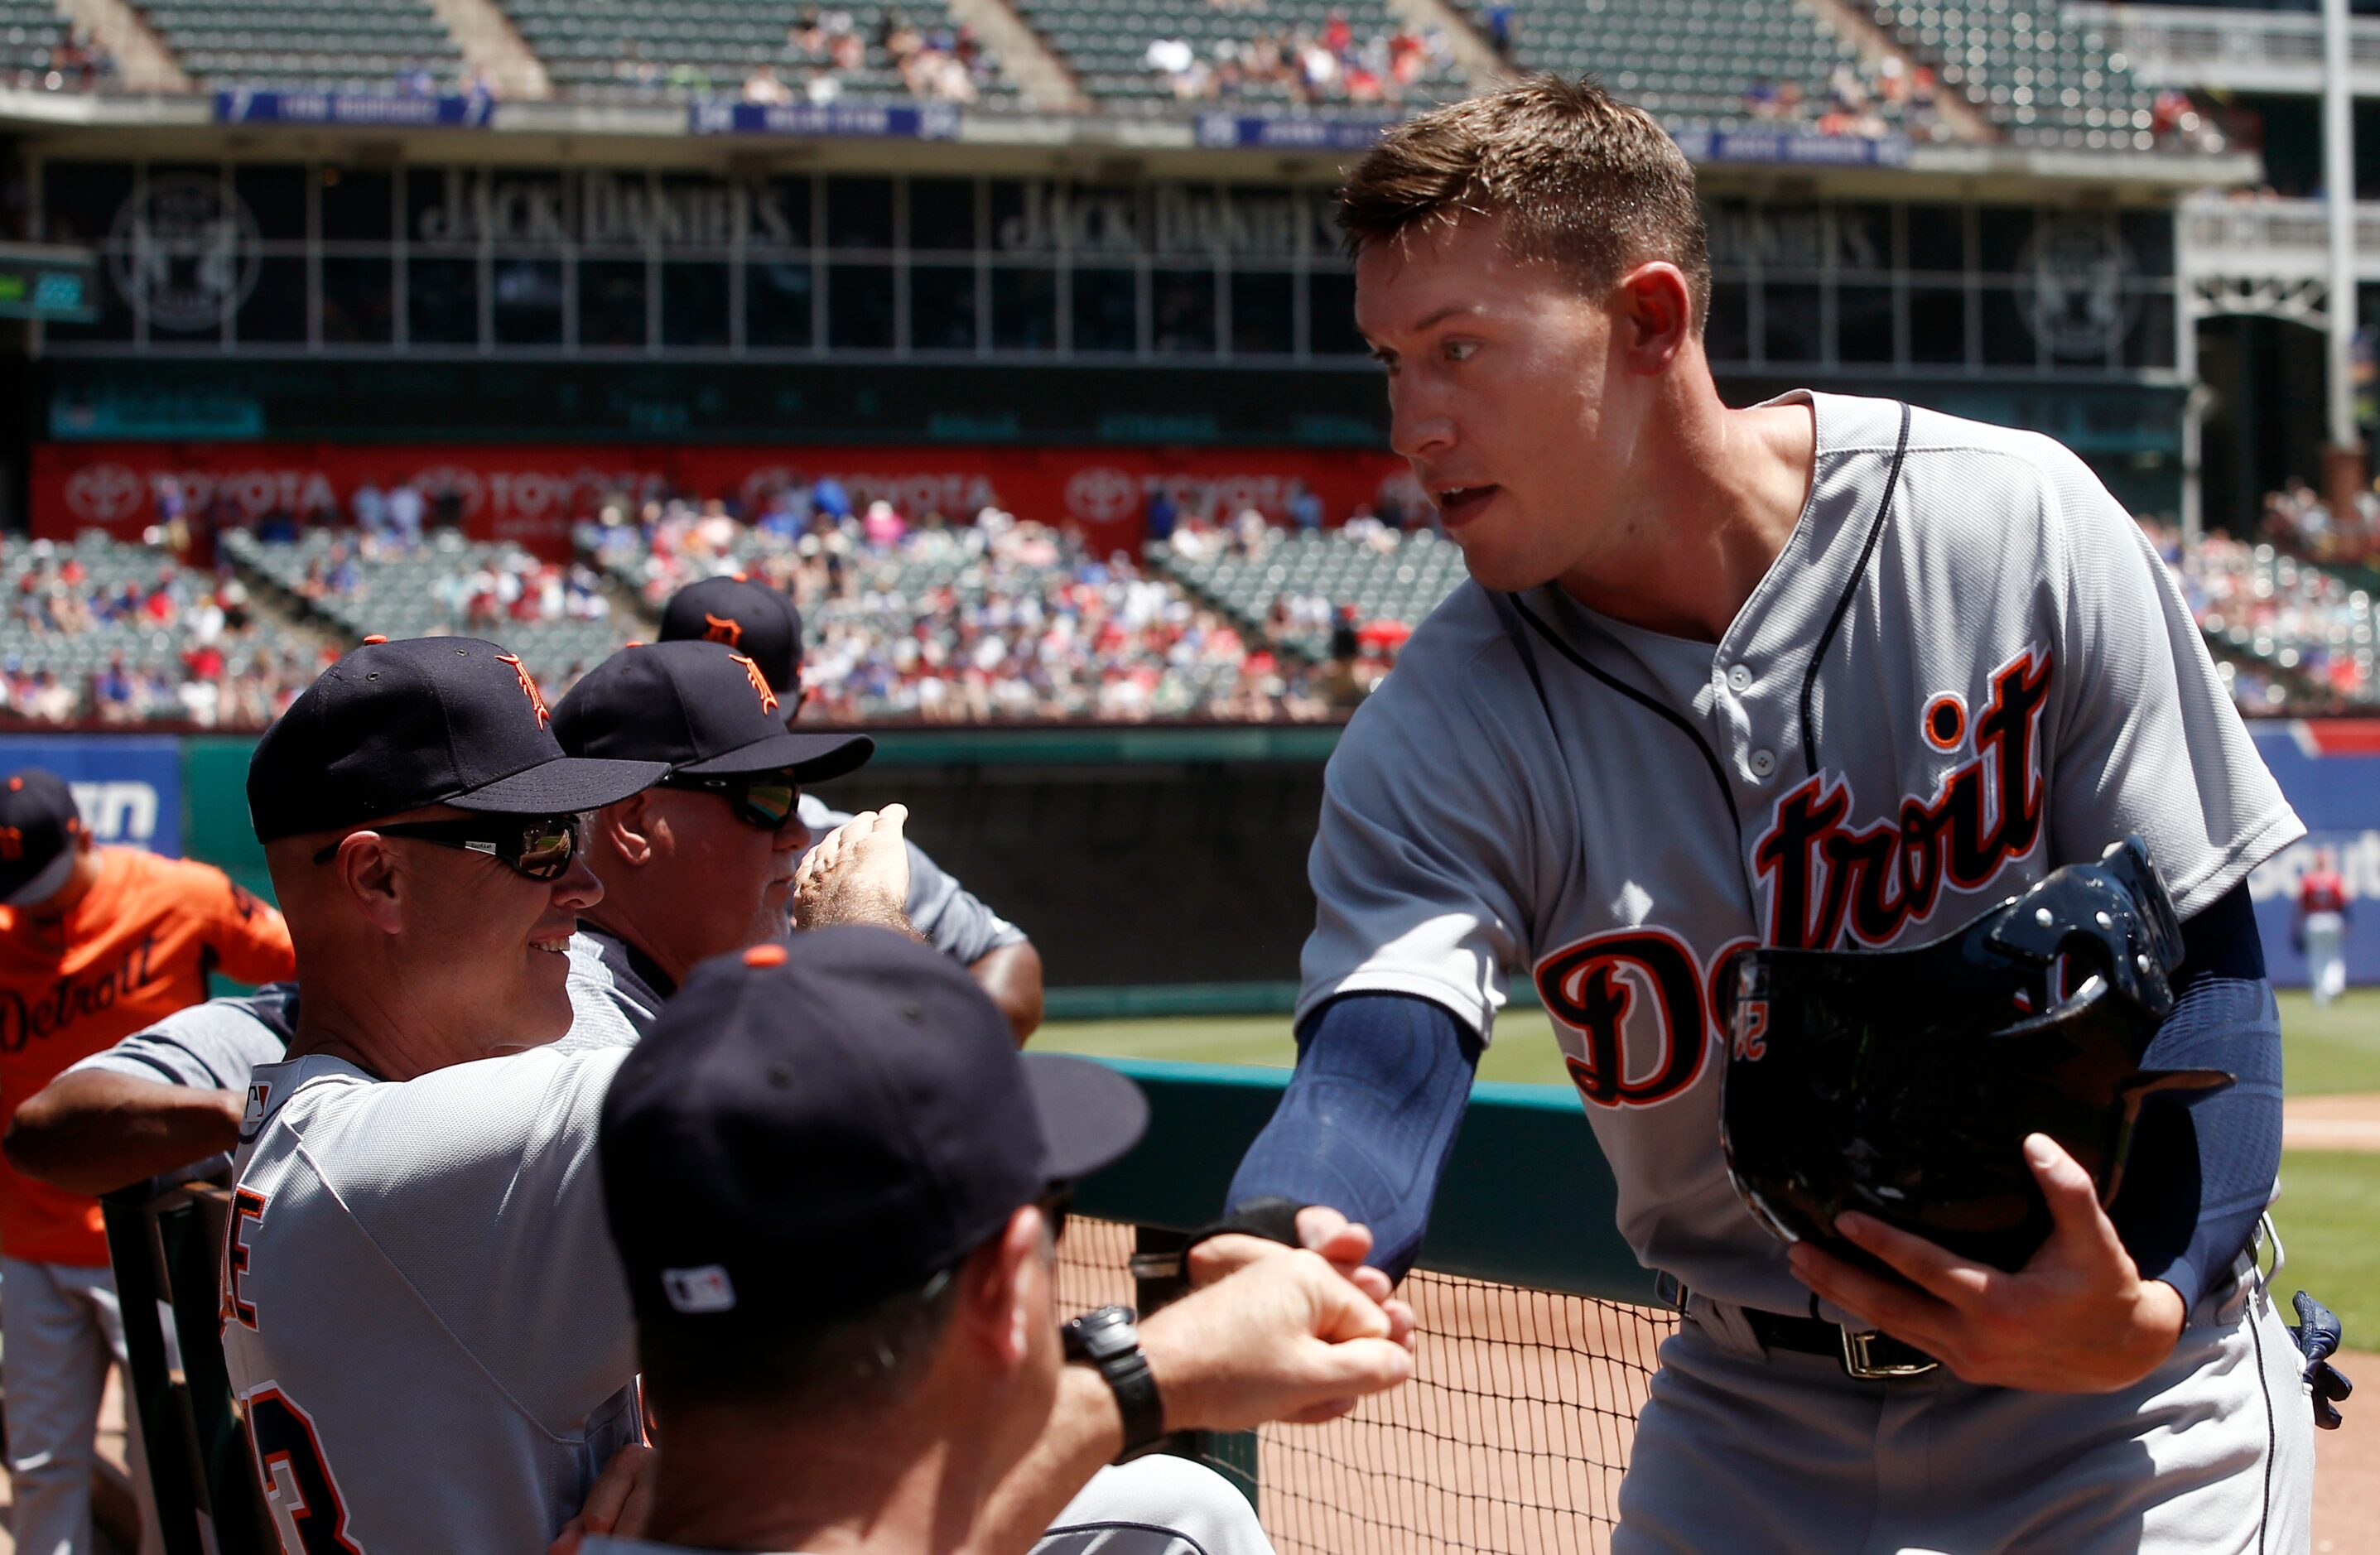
1108 1340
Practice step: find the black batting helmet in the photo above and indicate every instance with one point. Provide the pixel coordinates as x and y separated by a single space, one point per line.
1902 1083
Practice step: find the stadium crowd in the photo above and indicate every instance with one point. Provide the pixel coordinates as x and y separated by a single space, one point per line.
2297 520
2314 634
927 619
170 644
941 622
1867 101
826 47
1329 64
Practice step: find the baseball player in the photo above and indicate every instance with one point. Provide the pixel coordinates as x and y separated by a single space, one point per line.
94 942
386 1326
762 624
418 1288
703 861
2322 919
1825 671
843 1286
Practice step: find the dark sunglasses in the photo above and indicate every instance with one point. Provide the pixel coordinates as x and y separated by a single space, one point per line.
761 799
537 846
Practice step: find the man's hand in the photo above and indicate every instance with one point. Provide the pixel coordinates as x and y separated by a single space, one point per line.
619 1501
1340 1241
857 873
2076 1318
1287 1338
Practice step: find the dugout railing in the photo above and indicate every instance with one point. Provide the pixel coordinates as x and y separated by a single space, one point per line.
1536 1335
166 1240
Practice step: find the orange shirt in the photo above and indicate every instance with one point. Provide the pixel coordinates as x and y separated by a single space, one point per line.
137 948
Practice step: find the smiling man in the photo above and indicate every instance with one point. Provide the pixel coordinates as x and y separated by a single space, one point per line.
406 1318
1821 672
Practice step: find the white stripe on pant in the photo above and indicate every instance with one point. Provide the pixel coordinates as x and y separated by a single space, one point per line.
59 1331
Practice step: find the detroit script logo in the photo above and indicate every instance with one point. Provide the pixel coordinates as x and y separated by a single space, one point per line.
1646 1008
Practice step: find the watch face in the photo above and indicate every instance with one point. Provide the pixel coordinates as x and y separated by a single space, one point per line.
1108 1332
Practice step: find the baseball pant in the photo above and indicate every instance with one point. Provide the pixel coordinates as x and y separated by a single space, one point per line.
2213 1453
2326 951
60 1330
1157 1505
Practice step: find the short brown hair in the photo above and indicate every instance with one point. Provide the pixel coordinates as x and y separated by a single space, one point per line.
1583 181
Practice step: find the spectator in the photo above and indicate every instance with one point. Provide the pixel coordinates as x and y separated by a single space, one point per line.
404 509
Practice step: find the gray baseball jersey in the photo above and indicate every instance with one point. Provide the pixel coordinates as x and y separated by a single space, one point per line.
951 919
456 1223
1921 709
422 1309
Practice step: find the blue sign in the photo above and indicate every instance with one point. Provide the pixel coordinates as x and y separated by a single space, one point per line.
1798 147
1290 134
129 786
2338 799
382 110
901 121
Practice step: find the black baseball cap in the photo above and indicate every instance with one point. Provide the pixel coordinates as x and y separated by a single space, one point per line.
815 1125
428 721
38 823
701 707
748 616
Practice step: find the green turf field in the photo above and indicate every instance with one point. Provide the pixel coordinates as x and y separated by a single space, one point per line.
2327 1050
2329 1213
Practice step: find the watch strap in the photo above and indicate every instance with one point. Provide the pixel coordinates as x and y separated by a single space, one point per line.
1135 1391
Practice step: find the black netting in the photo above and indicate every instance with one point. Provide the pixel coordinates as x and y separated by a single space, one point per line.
1510 1440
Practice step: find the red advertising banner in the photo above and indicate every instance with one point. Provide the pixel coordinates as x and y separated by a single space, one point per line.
531 494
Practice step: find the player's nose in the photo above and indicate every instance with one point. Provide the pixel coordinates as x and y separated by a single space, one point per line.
1416 431
578 889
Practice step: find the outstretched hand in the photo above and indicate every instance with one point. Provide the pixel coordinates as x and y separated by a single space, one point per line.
1286 1338
1340 1241
2076 1318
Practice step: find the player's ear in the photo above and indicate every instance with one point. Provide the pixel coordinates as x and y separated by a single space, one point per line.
368 870
1002 1293
626 828
1655 308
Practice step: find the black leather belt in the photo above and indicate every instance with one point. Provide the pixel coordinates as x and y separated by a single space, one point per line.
1862 1354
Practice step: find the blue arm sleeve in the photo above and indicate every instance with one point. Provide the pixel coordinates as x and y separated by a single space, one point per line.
1369 1119
2203 1166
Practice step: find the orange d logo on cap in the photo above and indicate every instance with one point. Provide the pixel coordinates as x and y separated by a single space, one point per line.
759 682
528 687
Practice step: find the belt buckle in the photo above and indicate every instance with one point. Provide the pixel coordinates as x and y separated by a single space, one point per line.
1858 1360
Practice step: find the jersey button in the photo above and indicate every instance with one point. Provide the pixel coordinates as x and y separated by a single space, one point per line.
1763 763
1739 679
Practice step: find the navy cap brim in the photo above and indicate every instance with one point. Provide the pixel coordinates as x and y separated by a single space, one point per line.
1090 1115
564 786
44 881
811 758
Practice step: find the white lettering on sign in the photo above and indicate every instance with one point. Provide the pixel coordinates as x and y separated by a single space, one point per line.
2359 868
118 812
1183 219
623 210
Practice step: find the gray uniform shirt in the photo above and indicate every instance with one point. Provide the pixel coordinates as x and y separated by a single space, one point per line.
1919 711
423 1311
950 917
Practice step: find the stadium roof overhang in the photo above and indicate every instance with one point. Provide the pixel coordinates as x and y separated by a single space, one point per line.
666 136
